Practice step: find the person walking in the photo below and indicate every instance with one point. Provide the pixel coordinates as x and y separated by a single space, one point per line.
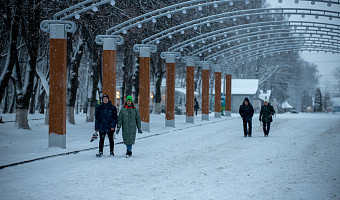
246 111
196 107
106 120
129 120
266 117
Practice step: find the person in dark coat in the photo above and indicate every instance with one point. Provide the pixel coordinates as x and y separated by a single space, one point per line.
196 107
129 120
266 117
246 111
106 120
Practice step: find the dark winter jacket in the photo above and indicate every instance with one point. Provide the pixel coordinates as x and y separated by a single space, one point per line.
246 112
266 112
106 117
129 119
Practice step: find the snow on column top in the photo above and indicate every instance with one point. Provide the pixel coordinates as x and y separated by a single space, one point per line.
57 31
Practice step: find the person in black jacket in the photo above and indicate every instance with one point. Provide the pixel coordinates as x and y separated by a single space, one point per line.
246 111
196 106
266 113
106 120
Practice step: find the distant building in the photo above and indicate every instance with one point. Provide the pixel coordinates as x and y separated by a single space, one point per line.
261 97
240 89
336 104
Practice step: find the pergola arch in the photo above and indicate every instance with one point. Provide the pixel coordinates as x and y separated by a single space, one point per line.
259 35
233 16
264 41
260 50
233 64
258 26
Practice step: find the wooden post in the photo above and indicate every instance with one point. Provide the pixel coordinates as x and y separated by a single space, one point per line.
228 95
205 90
170 86
144 82
218 92
109 43
190 88
57 84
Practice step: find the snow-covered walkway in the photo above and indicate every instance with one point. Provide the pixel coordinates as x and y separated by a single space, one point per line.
299 160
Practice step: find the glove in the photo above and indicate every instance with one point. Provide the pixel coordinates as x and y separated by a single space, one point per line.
117 130
140 131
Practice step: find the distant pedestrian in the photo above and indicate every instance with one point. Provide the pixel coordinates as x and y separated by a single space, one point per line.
106 120
196 106
246 111
266 117
129 120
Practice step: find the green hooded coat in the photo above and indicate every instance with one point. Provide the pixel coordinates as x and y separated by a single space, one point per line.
129 119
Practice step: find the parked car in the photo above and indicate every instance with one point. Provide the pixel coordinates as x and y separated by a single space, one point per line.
294 111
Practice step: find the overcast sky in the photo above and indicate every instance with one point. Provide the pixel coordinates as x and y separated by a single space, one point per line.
327 62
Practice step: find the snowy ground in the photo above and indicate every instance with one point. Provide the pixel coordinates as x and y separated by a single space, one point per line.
209 160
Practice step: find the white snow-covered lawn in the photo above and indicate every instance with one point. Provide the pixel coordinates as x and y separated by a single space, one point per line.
208 160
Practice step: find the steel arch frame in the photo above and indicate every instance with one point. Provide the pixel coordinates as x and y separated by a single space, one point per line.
273 47
256 41
284 40
273 51
223 32
212 19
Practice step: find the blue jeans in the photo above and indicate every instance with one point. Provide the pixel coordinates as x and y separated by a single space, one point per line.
129 147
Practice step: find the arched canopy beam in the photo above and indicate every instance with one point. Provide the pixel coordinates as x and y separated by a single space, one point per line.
166 11
266 42
271 52
239 14
258 26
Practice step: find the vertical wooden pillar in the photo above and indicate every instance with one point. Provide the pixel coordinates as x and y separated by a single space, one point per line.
228 95
218 92
205 90
57 84
109 43
144 82
190 88
109 69
170 86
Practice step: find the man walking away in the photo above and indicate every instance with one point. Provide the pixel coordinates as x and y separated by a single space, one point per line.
266 116
246 111
106 119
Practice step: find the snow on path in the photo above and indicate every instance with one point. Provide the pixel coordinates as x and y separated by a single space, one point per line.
299 160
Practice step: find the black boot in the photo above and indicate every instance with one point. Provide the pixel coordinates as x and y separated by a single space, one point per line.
112 154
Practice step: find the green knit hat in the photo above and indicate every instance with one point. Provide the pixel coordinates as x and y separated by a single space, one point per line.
129 98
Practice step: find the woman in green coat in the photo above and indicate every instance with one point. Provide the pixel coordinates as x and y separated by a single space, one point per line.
129 119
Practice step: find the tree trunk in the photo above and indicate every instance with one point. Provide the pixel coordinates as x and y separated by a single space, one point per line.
74 82
14 96
32 103
10 60
21 118
5 110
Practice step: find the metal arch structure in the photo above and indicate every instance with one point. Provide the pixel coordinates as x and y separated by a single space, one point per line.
257 26
257 50
272 51
258 35
167 11
76 10
218 18
265 44
328 2
269 35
